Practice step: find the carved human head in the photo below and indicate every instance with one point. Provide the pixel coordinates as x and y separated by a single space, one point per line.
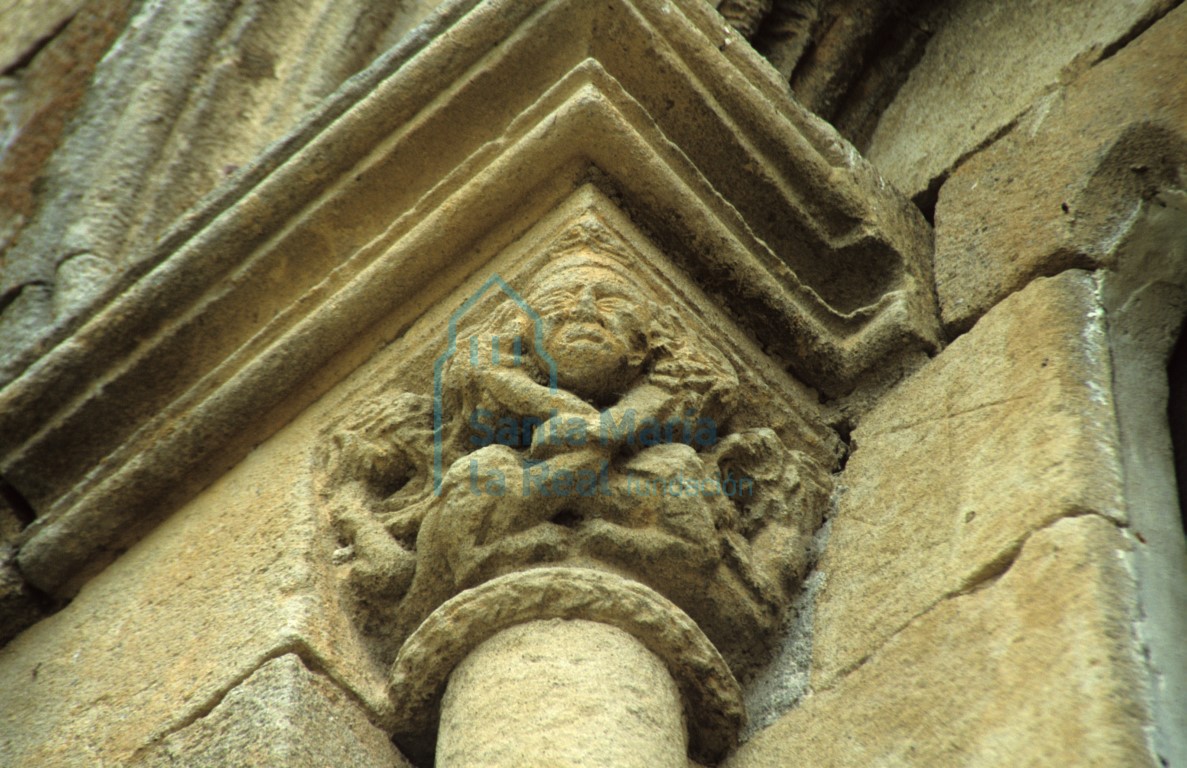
596 319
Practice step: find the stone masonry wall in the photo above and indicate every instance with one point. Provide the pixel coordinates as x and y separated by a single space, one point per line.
1002 577
1009 509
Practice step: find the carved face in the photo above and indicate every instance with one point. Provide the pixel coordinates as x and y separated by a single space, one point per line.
595 325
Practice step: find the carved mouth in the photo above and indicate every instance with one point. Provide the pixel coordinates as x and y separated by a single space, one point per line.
584 332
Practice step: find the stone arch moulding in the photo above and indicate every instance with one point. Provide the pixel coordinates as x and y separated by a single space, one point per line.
408 181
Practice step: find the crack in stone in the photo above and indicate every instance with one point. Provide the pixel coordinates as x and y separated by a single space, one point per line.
309 660
982 579
12 294
926 200
26 58
1138 29
950 415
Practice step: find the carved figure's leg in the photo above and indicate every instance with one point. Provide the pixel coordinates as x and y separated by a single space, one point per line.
655 521
487 523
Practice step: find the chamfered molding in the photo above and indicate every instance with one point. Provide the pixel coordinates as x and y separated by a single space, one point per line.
403 184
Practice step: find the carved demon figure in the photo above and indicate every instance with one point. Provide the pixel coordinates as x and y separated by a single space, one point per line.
583 425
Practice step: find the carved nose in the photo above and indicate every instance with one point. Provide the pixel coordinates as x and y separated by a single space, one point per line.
586 308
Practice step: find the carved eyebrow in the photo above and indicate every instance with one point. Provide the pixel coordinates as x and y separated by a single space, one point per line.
601 289
615 289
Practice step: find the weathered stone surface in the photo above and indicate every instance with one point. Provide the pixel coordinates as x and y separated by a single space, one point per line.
352 240
237 577
39 93
1009 429
1145 295
282 715
585 416
1063 187
565 694
710 694
20 606
844 59
26 23
189 93
777 685
985 65
1038 668
327 246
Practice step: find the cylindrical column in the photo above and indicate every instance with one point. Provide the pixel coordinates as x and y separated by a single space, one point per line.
562 693
562 666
